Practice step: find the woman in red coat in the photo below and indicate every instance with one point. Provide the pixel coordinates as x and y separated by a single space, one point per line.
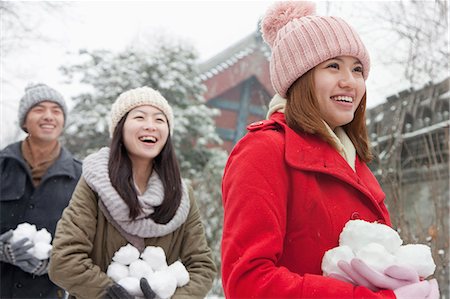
294 181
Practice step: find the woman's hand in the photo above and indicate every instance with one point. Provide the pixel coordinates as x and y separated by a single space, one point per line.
403 280
393 277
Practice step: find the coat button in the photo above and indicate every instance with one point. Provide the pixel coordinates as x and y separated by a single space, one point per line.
256 123
18 285
355 215
31 206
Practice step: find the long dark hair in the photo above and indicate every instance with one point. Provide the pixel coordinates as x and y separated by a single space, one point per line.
165 164
303 114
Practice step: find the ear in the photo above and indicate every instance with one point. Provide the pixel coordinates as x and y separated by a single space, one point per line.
24 128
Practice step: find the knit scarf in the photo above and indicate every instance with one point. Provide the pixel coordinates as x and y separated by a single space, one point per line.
345 145
39 167
96 174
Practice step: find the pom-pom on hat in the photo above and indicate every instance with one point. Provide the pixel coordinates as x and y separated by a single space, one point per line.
301 40
133 98
35 94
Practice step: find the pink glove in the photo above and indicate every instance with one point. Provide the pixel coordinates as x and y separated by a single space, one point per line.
427 289
393 277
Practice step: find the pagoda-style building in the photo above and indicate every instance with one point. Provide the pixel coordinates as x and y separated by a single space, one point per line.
238 84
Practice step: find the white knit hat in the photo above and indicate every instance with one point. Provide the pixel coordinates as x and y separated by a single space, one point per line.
133 98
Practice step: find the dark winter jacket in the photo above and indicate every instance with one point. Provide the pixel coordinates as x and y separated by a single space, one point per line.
21 202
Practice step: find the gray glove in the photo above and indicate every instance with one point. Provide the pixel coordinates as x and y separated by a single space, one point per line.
16 254
146 289
116 291
33 265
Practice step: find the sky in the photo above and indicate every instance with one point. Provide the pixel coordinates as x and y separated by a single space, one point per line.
210 26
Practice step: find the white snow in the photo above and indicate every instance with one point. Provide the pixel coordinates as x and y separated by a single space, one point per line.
417 255
127 268
178 270
163 283
155 257
126 254
140 268
333 256
379 246
117 271
41 239
359 233
131 284
376 256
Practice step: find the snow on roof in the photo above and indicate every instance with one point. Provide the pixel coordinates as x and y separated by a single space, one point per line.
232 55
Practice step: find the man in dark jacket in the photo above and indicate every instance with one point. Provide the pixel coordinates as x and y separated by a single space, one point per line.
38 176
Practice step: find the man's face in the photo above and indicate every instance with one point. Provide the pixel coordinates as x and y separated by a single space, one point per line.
45 121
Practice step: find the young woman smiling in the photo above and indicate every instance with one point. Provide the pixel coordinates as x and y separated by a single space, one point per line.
294 181
132 193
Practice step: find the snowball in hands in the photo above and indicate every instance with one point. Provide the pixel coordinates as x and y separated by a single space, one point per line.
333 256
358 233
418 256
128 267
41 239
379 246
126 254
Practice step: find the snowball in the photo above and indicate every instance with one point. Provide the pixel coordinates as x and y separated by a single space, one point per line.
126 254
376 256
42 250
131 284
43 236
379 247
333 256
178 270
24 230
163 283
358 233
117 271
155 257
140 268
418 256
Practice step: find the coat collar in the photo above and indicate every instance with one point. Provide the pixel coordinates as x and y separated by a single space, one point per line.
308 152
63 165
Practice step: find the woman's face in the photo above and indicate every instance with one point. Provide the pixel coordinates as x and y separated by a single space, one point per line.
145 133
339 87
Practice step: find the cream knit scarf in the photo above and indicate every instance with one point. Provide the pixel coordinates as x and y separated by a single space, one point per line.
95 172
345 145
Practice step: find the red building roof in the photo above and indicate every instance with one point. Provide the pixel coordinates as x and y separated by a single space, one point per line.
238 84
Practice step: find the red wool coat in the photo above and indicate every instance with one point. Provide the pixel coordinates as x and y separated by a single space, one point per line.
286 199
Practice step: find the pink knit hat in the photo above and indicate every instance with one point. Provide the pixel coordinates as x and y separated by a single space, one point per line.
301 40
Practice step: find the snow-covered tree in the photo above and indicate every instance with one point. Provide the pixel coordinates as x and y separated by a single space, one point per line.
171 68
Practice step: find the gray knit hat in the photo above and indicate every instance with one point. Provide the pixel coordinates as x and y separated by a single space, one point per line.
35 94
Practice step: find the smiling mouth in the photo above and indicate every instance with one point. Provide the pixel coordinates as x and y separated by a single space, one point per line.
343 99
148 139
